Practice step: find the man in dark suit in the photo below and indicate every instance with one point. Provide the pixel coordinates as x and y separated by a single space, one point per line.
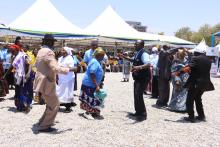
164 67
198 82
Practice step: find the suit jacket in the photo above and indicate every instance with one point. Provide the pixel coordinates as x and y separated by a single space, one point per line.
47 68
200 73
164 65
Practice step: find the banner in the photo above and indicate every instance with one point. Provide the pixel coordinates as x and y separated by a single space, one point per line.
213 54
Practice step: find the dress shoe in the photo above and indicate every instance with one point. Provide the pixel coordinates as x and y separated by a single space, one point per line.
68 110
97 116
137 115
48 130
200 118
73 104
133 114
141 118
192 120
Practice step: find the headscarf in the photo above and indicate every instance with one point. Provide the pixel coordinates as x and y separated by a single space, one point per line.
98 51
15 47
68 50
154 49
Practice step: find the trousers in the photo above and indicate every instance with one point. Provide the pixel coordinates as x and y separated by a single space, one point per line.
139 87
52 107
194 95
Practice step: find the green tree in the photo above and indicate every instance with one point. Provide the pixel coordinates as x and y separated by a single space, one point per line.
205 31
184 33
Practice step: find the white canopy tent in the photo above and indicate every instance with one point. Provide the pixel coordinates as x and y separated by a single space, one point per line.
110 24
202 46
42 17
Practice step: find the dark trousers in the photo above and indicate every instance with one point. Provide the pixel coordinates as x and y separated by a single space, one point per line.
75 82
139 87
155 92
9 78
194 94
164 92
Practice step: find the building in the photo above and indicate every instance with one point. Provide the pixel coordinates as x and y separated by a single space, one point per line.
138 26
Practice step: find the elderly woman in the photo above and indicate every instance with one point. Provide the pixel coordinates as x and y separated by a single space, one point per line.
65 86
90 84
179 94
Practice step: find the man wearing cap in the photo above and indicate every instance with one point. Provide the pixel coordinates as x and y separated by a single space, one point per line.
141 75
45 82
197 83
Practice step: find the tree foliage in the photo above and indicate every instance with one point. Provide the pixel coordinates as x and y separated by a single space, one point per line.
205 31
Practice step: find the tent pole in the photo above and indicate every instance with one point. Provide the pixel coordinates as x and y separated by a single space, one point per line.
115 50
213 40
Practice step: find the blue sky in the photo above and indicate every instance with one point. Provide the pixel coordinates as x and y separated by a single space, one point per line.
159 15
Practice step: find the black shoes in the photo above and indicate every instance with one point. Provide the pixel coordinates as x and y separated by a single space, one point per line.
201 118
138 117
190 119
73 104
97 116
48 130
141 118
68 110
133 114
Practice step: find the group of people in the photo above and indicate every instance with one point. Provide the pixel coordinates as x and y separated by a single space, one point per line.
55 79
153 71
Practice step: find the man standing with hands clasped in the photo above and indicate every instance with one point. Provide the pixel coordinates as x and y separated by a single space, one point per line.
141 75
45 82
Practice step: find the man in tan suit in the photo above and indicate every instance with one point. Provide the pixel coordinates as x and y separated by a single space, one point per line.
45 82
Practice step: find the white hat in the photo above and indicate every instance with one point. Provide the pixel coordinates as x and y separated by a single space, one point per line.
154 49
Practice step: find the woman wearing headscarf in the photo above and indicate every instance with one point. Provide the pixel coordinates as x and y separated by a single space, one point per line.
179 94
22 70
91 84
65 86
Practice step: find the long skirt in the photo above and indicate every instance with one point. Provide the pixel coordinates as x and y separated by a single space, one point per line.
65 91
88 102
178 100
179 94
24 95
